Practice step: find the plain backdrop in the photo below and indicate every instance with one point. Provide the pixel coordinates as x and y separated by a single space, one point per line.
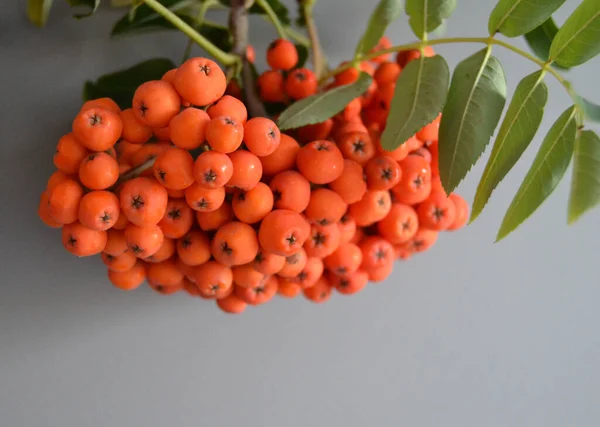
471 333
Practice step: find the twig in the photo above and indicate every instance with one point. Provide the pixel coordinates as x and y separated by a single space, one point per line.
135 172
206 4
317 54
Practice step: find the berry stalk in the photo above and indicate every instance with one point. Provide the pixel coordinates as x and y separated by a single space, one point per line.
317 54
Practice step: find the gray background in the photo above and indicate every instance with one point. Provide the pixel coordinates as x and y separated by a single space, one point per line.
470 334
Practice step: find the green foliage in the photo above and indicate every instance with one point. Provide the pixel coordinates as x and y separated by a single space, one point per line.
38 10
320 107
146 19
121 85
549 166
520 125
514 18
92 5
590 110
475 102
278 7
585 184
419 97
427 15
302 55
383 15
578 40
540 38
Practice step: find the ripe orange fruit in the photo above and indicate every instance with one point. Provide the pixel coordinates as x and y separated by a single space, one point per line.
282 55
200 81
235 244
82 241
97 129
320 162
155 103
283 232
99 210
143 201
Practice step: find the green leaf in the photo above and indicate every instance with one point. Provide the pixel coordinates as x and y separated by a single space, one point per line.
427 15
514 18
520 125
121 85
383 15
590 110
38 10
549 166
92 5
540 38
278 7
320 107
585 184
302 55
419 97
578 40
475 102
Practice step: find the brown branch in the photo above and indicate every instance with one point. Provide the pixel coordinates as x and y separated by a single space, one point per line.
313 34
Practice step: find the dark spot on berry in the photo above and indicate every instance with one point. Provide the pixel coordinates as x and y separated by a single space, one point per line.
344 283
386 174
210 176
300 76
323 295
381 254
406 225
341 270
271 134
383 105
95 119
72 241
259 290
229 121
205 69
143 108
358 146
276 195
91 157
417 244
186 242
323 221
159 288
137 202
291 239
381 201
174 214
214 288
302 276
105 218
319 239
293 259
438 214
110 258
322 147
136 249
259 258
202 203
344 219
241 196
226 249
418 181
273 44
161 175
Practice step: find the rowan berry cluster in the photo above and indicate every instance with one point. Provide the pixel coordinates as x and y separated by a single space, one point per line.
184 191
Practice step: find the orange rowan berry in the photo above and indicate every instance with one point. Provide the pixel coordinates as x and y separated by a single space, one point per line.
194 248
405 56
350 111
64 200
261 136
382 173
282 55
373 207
200 81
461 208
347 228
381 273
318 131
246 276
301 83
250 54
101 103
430 132
229 106
423 240
387 72
260 294
116 243
358 237
232 304
177 220
204 199
55 178
319 292
69 154
166 251
213 169
133 130
293 264
290 191
155 103
288 288
399 225
143 242
402 252
174 168
224 134
169 76
176 194
209 221
271 86
367 96
189 271
325 207
320 162
43 211
437 212
253 205
213 279
357 146
425 153
130 279
283 158
97 129
383 43
166 290
283 232
350 284
311 273
323 240
82 241
146 153
122 262
247 170
143 201
376 252
235 244
351 74
342 128
162 134
345 260
188 128
125 151
190 288
268 263
397 154
99 210
415 184
98 171
233 89
351 185
163 273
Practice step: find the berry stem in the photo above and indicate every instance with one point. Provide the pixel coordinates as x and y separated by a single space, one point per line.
206 4
135 172
273 18
317 54
223 57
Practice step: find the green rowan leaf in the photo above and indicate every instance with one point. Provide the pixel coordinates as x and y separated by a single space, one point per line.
121 85
475 102
548 168
427 15
302 55
92 5
585 184
514 18
322 106
520 125
38 10
540 38
419 98
578 40
383 15
590 110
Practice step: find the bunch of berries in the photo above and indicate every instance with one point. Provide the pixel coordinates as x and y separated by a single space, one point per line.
185 192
